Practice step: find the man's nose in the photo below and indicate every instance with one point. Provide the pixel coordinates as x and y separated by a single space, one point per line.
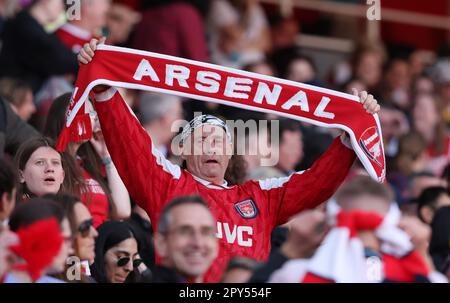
209 149
196 239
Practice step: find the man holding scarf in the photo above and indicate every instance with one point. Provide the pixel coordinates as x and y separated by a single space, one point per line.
246 213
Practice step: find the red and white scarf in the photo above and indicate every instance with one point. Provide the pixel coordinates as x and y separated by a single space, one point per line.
341 256
133 69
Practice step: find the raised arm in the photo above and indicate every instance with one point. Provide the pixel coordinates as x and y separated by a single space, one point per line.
121 208
147 175
308 189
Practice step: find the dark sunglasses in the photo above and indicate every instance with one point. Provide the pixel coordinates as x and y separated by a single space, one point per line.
125 260
85 227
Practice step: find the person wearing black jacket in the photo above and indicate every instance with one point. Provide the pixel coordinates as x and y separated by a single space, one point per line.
13 130
29 52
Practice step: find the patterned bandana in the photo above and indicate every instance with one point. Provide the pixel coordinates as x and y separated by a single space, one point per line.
199 121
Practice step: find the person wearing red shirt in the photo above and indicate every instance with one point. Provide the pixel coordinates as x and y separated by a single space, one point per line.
75 33
245 214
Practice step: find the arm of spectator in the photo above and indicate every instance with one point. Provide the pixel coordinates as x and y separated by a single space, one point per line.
16 130
308 189
306 232
121 209
146 173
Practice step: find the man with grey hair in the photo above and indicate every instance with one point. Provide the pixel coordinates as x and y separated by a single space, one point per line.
246 213
185 241
157 113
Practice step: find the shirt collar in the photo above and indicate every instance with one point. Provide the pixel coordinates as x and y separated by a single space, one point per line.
209 184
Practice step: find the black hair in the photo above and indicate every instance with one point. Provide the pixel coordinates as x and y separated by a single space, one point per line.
429 197
110 234
164 221
35 210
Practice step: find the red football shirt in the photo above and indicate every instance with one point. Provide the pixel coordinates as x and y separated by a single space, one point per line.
245 214
95 199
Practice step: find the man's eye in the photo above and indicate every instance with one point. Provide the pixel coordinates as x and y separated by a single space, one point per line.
39 162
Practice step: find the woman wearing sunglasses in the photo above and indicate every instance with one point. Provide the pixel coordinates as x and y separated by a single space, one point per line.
116 253
83 232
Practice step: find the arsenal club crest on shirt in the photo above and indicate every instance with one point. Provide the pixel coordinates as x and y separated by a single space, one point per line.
247 209
371 144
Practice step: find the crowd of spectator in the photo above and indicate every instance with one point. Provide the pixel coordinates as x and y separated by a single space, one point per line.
69 217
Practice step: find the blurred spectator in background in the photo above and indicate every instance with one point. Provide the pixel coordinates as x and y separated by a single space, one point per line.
430 201
423 84
359 205
417 183
185 240
419 60
44 242
290 148
368 63
40 168
428 121
261 67
302 69
306 233
143 230
440 240
20 95
120 22
410 159
441 75
83 234
75 33
239 270
234 113
354 83
238 32
29 52
13 130
102 190
397 84
7 9
394 124
172 28
116 253
157 114
259 147
284 32
8 190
